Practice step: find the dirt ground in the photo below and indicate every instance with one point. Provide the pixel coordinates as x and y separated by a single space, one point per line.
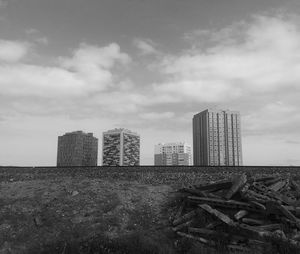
41 208
36 213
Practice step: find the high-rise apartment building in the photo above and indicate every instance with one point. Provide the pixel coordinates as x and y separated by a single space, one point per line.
121 147
77 149
217 138
172 154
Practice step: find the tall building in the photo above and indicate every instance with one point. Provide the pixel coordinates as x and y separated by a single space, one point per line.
217 138
77 149
172 154
121 147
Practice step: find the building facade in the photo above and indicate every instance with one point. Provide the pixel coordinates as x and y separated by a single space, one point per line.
172 154
217 138
77 149
120 147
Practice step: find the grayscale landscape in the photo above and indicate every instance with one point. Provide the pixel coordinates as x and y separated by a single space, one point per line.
160 126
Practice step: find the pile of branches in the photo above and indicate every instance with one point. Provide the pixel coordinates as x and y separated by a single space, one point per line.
242 214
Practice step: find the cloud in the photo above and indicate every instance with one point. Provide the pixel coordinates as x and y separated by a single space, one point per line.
253 67
157 115
127 103
88 70
32 31
13 51
69 87
115 102
3 3
93 63
269 150
93 56
90 82
22 80
43 40
261 59
37 37
273 118
146 46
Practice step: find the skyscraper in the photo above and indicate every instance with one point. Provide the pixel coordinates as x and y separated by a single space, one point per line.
172 154
77 149
217 138
121 147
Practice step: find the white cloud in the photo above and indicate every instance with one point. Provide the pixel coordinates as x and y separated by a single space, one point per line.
146 46
77 86
262 58
87 71
46 82
13 51
93 56
93 63
86 84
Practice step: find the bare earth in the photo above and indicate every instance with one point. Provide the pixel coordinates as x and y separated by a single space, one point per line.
41 207
35 213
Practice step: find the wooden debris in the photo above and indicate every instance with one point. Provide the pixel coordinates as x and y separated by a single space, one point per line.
256 211
217 214
194 192
230 204
200 239
185 217
296 187
238 183
263 179
240 214
204 232
270 227
287 213
179 212
252 222
278 186
183 225
215 186
258 205
238 249
213 224
272 181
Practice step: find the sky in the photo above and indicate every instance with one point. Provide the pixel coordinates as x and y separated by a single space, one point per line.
148 66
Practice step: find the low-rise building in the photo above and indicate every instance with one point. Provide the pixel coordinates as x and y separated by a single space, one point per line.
172 154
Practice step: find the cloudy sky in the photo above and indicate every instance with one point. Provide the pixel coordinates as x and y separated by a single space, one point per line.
149 66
